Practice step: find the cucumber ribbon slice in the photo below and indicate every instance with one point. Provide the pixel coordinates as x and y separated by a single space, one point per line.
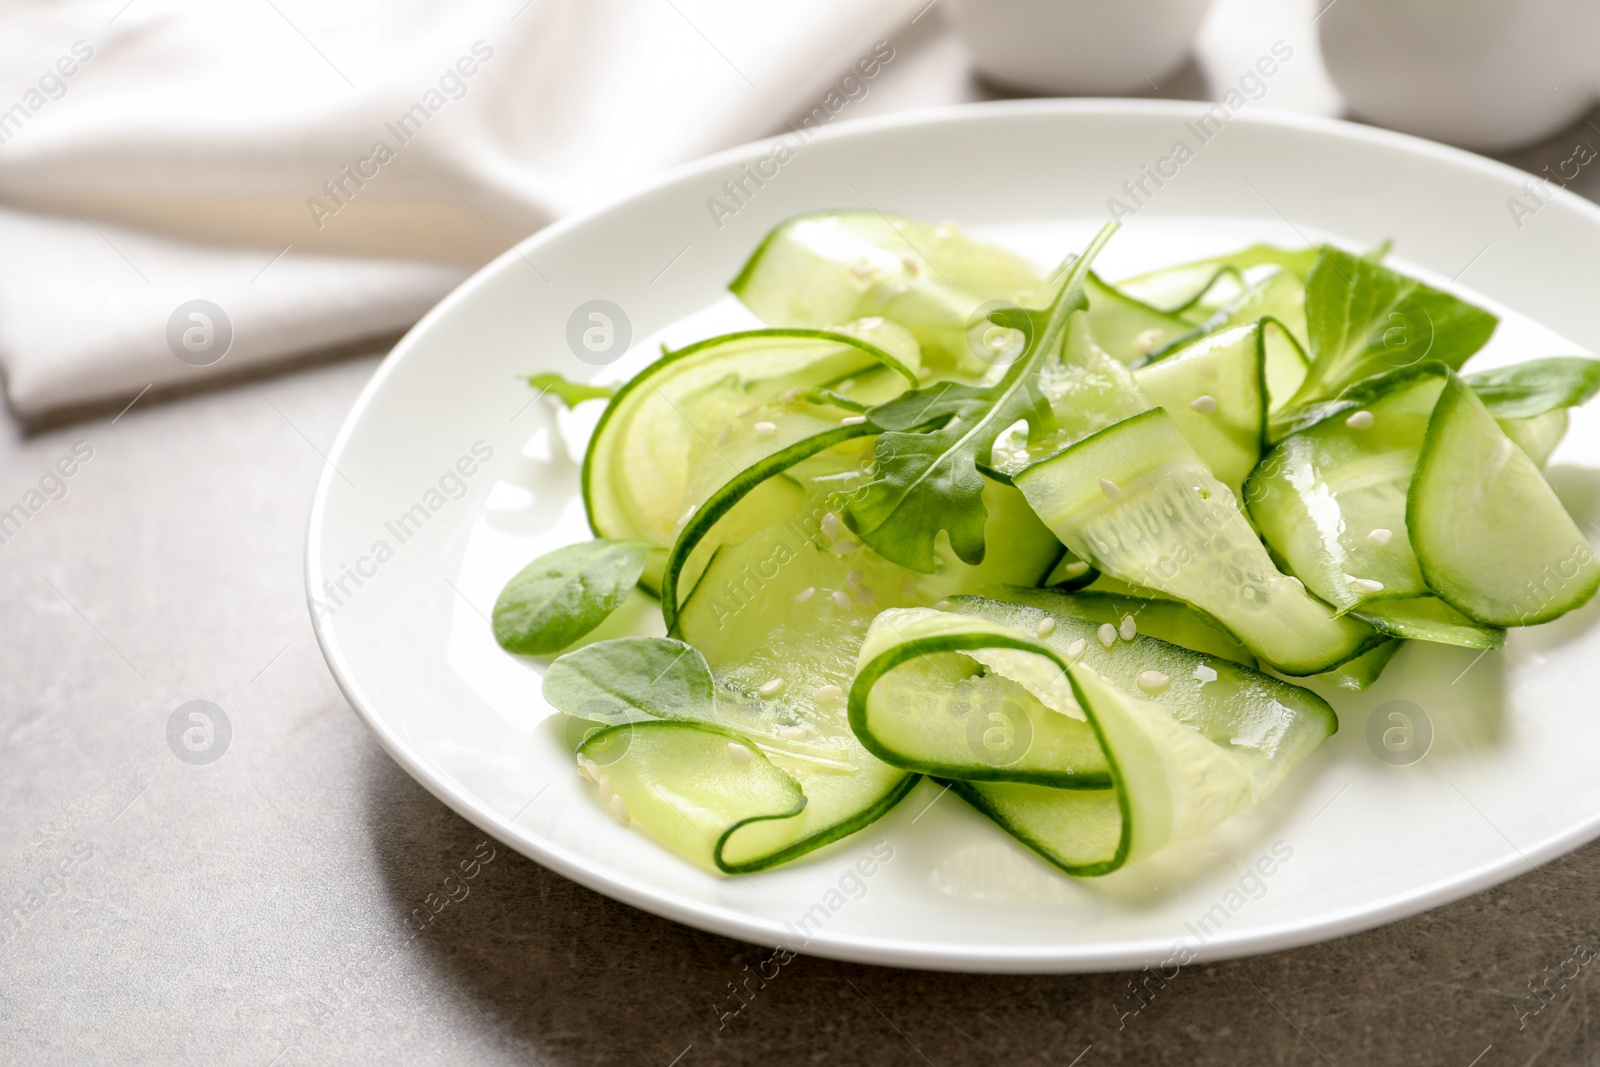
788 599
1092 756
1492 538
703 816
1409 505
1139 504
934 279
698 416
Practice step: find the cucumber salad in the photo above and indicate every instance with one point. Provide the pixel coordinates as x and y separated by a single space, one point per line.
1062 546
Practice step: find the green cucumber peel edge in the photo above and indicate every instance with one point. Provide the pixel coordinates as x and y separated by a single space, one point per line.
600 736
728 496
869 673
586 474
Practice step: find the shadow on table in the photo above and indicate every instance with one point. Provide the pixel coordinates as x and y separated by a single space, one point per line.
564 976
571 977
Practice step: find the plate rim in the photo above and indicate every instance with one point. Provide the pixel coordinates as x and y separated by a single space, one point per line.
728 921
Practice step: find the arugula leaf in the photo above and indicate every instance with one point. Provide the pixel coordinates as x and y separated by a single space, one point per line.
564 594
630 679
1364 319
569 393
1537 386
927 477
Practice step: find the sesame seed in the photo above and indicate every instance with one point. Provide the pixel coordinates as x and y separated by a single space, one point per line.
908 588
1367 585
909 262
1361 420
1204 674
1077 648
1046 625
1076 569
687 515
1298 583
771 689
946 230
604 782
805 594
1204 404
1128 628
854 578
766 428
842 600
848 384
739 753
844 547
791 733
619 808
863 268
1380 536
1024 296
725 433
853 420
871 322
1153 681
1109 488
1107 634
830 525
583 769
1145 342
942 605
829 692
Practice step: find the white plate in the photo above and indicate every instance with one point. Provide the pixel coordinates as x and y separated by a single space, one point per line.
1509 781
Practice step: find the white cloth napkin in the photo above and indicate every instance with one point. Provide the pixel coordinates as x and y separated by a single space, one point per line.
323 171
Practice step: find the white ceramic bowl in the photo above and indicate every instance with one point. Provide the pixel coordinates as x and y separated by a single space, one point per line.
1486 74
1077 47
446 462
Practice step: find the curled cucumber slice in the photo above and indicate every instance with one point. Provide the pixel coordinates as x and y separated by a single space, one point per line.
1012 716
1216 392
1130 330
835 266
780 611
1138 504
698 416
1198 289
698 789
1492 538
1331 499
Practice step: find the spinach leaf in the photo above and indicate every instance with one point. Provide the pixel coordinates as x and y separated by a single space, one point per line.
1364 319
630 679
564 594
1537 386
569 393
927 476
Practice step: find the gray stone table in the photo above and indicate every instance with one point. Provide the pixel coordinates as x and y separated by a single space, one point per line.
255 910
